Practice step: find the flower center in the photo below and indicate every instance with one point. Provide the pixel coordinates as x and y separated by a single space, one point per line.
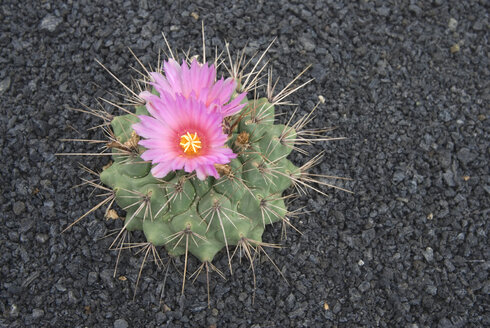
190 143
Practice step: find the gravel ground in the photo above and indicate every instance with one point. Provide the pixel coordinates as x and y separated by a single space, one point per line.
405 81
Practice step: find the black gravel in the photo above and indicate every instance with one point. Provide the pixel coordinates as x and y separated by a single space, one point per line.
406 81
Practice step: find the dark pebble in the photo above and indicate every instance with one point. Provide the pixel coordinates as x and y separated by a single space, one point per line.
19 208
50 23
121 323
466 156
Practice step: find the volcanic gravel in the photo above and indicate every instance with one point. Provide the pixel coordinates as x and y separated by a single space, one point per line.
406 82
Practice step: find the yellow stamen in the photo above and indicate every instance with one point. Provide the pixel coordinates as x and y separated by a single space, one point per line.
190 143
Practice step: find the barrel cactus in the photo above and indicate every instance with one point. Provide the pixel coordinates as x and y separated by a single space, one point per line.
216 212
199 164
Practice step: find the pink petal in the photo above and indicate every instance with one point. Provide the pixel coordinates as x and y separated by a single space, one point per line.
160 170
190 100
173 74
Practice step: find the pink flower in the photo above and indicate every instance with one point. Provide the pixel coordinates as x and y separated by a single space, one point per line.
182 134
199 82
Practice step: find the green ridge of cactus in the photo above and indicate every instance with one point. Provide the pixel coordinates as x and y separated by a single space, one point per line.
181 212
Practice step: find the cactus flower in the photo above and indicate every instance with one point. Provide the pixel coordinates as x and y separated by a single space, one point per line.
199 82
182 134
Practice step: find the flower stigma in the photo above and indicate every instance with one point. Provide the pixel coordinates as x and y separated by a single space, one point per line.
190 143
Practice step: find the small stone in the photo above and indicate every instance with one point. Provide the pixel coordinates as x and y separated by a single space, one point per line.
4 85
107 278
449 178
19 208
14 289
445 323
319 73
445 159
431 289
112 214
92 277
297 313
478 26
364 286
49 203
71 297
41 238
121 323
452 24
445 115
160 318
308 44
454 48
355 296
198 308
143 4
368 235
37 313
415 9
465 155
398 177
487 189
383 11
14 311
59 287
360 263
459 198
290 300
63 87
450 267
50 23
361 50
428 254
242 297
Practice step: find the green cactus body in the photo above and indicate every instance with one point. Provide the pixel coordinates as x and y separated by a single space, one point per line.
181 212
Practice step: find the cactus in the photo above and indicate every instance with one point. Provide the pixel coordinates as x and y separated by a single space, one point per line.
216 212
191 213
